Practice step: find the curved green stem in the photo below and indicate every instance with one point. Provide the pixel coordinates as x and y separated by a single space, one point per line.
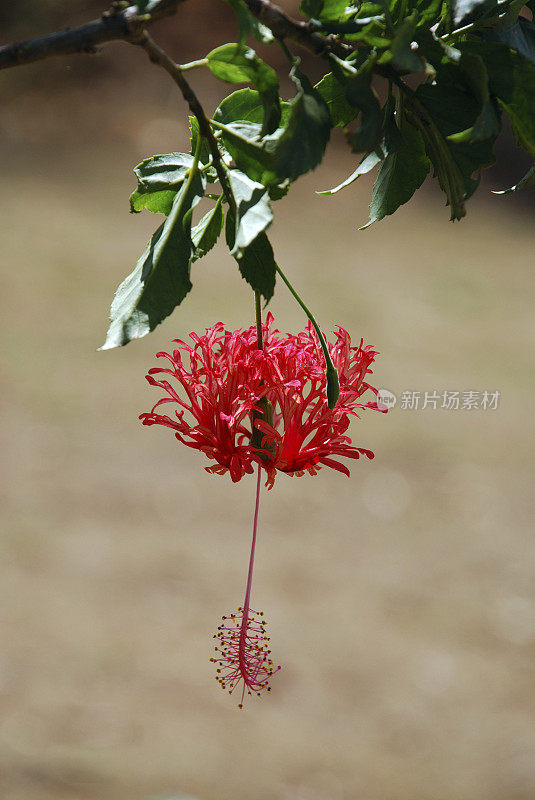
333 384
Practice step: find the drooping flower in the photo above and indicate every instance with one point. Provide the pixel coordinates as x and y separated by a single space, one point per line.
243 406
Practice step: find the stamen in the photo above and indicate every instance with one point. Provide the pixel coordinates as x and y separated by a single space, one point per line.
243 656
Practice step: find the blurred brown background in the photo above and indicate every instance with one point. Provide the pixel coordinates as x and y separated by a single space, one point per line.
401 601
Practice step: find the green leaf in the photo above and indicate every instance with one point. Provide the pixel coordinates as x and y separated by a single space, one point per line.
392 138
290 151
520 37
256 262
400 53
324 9
159 179
459 9
446 110
236 63
435 50
257 265
241 106
157 202
206 233
302 143
463 70
428 13
372 34
161 278
163 172
241 140
512 81
400 174
369 161
487 123
279 190
391 141
360 94
247 23
334 95
445 167
205 155
253 211
245 105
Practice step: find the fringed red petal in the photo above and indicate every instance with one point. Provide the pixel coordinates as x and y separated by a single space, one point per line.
219 380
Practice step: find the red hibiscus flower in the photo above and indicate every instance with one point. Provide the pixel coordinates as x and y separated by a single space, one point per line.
243 406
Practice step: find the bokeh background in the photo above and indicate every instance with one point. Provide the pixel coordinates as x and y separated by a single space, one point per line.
400 601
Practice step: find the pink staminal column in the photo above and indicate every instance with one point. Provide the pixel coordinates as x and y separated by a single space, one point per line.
243 655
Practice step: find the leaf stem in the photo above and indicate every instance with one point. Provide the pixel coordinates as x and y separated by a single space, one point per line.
176 211
201 62
195 166
333 384
292 59
345 65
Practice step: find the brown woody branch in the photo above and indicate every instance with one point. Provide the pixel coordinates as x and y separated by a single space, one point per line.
118 23
125 24
285 27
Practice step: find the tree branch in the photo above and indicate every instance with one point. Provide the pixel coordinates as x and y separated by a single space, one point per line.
126 24
160 57
117 23
285 27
